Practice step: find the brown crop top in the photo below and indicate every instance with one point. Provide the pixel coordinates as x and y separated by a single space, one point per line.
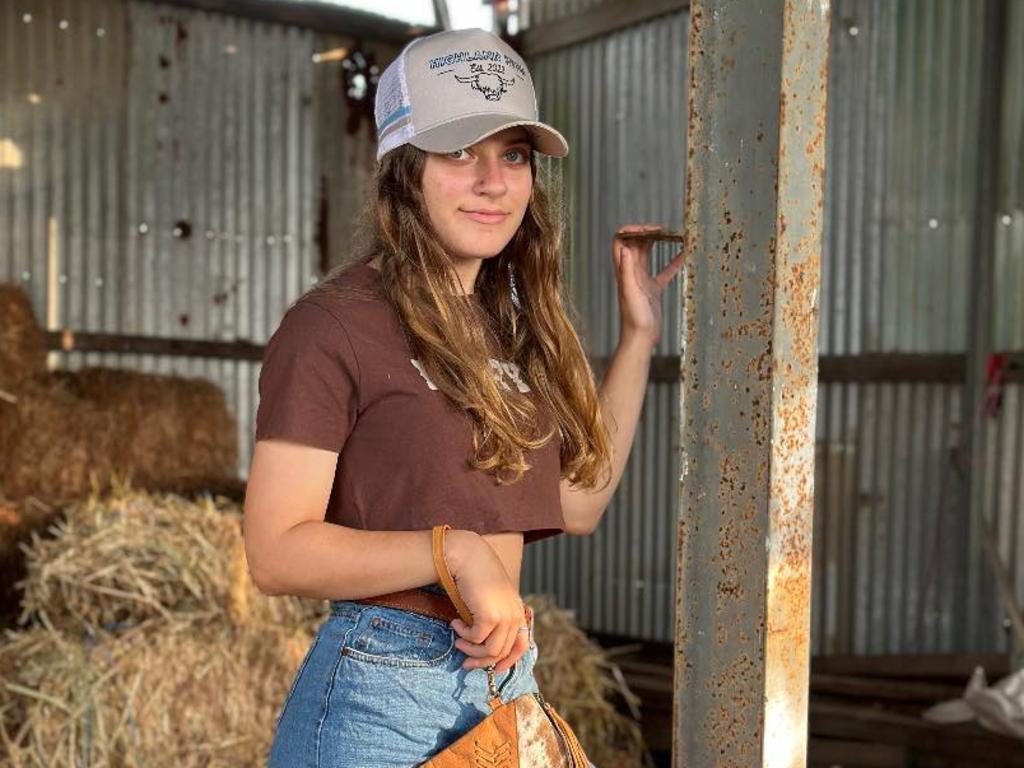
338 374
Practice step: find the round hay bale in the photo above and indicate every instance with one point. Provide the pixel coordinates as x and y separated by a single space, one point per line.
69 432
576 676
115 700
132 556
22 350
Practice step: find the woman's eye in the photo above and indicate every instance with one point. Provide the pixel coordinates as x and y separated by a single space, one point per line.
521 152
455 154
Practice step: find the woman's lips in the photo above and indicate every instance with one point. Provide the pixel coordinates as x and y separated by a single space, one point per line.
486 218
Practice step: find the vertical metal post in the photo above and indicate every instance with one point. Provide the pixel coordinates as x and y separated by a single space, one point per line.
754 206
974 594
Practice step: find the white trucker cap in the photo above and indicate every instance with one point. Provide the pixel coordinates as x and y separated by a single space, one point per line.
451 89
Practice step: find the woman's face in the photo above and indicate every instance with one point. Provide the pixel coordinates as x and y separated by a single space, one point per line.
477 197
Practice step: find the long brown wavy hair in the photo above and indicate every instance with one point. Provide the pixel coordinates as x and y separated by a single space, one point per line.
521 293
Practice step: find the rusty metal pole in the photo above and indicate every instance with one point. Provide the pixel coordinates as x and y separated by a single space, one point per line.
754 207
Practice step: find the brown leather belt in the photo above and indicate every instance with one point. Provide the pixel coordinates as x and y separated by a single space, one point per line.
418 601
429 604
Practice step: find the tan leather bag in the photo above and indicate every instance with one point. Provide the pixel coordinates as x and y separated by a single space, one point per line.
524 733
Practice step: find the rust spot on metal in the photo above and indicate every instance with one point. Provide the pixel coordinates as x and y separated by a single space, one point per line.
180 36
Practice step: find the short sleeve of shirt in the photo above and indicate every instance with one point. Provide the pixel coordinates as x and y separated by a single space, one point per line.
308 382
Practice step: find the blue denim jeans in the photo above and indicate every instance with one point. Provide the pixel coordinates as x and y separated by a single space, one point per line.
382 687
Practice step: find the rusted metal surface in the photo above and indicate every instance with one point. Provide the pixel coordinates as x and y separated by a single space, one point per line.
753 213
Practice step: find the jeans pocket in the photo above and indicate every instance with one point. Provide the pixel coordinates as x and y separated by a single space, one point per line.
388 638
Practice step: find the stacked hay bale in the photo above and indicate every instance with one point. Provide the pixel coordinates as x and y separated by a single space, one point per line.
17 521
145 641
22 352
69 432
66 434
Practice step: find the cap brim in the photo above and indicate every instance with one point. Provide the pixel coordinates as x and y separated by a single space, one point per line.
468 130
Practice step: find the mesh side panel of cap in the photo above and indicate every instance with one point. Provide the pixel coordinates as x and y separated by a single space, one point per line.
392 108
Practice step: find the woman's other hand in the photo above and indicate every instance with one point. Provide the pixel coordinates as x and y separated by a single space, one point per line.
492 598
640 292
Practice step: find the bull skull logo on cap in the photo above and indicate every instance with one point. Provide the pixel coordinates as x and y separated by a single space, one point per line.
491 84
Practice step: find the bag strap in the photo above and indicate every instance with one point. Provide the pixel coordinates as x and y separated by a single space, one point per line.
441 566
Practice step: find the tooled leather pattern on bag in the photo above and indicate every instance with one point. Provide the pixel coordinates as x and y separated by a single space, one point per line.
498 756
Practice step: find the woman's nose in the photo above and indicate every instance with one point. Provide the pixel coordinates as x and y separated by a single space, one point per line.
490 176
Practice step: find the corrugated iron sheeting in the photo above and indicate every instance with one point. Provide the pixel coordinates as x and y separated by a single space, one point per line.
885 499
902 158
620 103
1004 498
171 162
1009 265
240 144
537 12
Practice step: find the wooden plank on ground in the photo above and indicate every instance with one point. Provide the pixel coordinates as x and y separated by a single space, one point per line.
957 666
883 727
855 754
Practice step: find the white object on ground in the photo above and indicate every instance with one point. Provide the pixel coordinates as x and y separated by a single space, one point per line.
998 708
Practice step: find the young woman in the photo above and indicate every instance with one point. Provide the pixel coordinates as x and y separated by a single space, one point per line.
435 378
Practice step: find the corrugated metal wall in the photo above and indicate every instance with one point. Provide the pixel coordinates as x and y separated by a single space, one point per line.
621 104
903 93
129 118
538 12
161 175
903 152
902 140
1009 325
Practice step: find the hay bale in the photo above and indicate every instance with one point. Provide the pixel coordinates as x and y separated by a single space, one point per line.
53 445
577 676
132 556
18 519
146 642
117 701
128 580
22 351
121 584
70 432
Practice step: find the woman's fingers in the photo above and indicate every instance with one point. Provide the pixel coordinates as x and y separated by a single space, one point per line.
642 249
506 647
519 647
498 647
475 635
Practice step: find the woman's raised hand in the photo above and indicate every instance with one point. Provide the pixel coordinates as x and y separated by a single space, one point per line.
492 598
640 291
